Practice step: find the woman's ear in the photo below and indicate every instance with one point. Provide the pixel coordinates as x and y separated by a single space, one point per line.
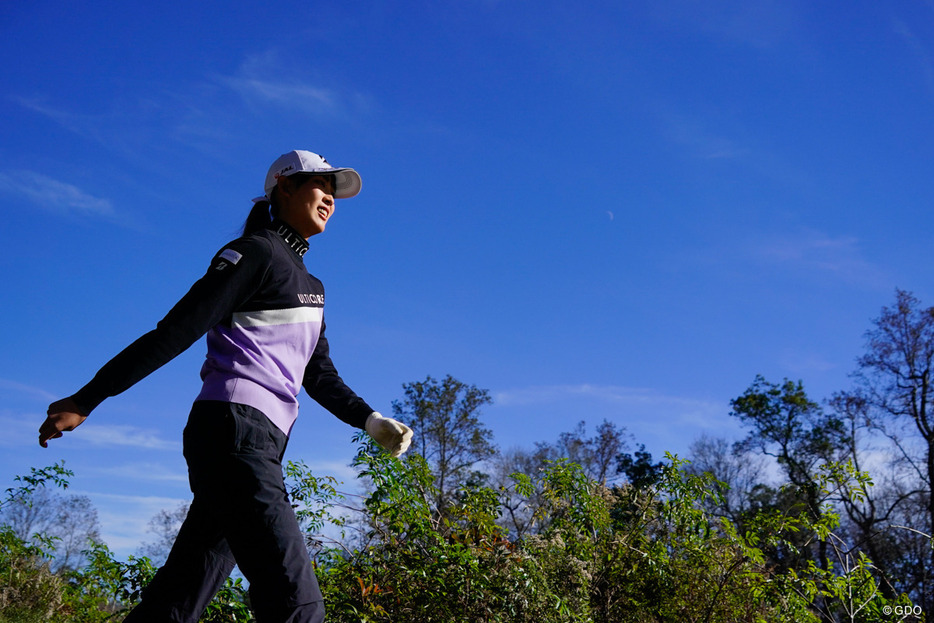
285 185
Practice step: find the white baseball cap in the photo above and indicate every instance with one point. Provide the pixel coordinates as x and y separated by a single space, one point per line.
347 182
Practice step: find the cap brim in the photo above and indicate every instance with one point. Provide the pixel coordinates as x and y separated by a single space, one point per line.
347 183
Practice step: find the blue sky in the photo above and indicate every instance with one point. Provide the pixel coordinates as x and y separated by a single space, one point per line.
594 210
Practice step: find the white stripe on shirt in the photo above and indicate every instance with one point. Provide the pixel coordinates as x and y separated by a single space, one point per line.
273 317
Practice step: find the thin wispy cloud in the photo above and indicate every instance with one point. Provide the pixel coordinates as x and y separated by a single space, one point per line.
30 391
698 140
51 194
626 398
805 363
289 95
154 472
342 471
546 393
125 518
661 421
88 126
759 24
20 425
20 429
920 51
193 116
816 252
134 127
201 113
125 436
258 83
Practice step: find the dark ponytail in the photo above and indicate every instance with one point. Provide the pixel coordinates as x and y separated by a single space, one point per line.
258 219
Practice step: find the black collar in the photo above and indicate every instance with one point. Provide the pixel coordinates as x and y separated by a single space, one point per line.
292 238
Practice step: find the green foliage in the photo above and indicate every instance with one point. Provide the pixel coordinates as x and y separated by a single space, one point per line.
788 425
447 431
102 591
638 468
420 566
29 591
56 475
598 554
604 555
594 554
106 585
313 498
230 605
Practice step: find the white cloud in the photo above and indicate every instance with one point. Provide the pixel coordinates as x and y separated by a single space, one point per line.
343 472
699 140
606 393
920 51
760 24
202 114
19 429
121 435
139 472
23 428
291 95
89 126
818 252
660 420
803 363
29 390
53 194
258 81
125 518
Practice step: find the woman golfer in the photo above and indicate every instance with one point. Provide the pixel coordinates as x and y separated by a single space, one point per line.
263 315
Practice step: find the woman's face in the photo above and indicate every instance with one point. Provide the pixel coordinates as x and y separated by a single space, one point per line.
306 202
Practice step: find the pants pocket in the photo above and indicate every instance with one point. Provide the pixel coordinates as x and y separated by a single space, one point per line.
252 430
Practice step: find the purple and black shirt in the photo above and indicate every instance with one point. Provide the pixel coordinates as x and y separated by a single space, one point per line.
264 317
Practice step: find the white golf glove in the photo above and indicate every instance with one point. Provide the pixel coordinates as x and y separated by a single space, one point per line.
392 435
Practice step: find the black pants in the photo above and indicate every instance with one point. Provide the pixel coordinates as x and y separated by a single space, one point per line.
240 513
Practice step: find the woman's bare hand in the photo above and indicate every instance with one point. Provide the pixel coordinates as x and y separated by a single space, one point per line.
63 415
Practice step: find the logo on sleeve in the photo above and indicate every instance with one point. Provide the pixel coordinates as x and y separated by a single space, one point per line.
227 255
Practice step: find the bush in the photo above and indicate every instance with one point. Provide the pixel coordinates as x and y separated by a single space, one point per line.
102 591
617 555
628 554
29 591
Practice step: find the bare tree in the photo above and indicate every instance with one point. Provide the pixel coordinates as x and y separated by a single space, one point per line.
506 468
598 456
164 525
893 395
895 382
70 520
741 473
